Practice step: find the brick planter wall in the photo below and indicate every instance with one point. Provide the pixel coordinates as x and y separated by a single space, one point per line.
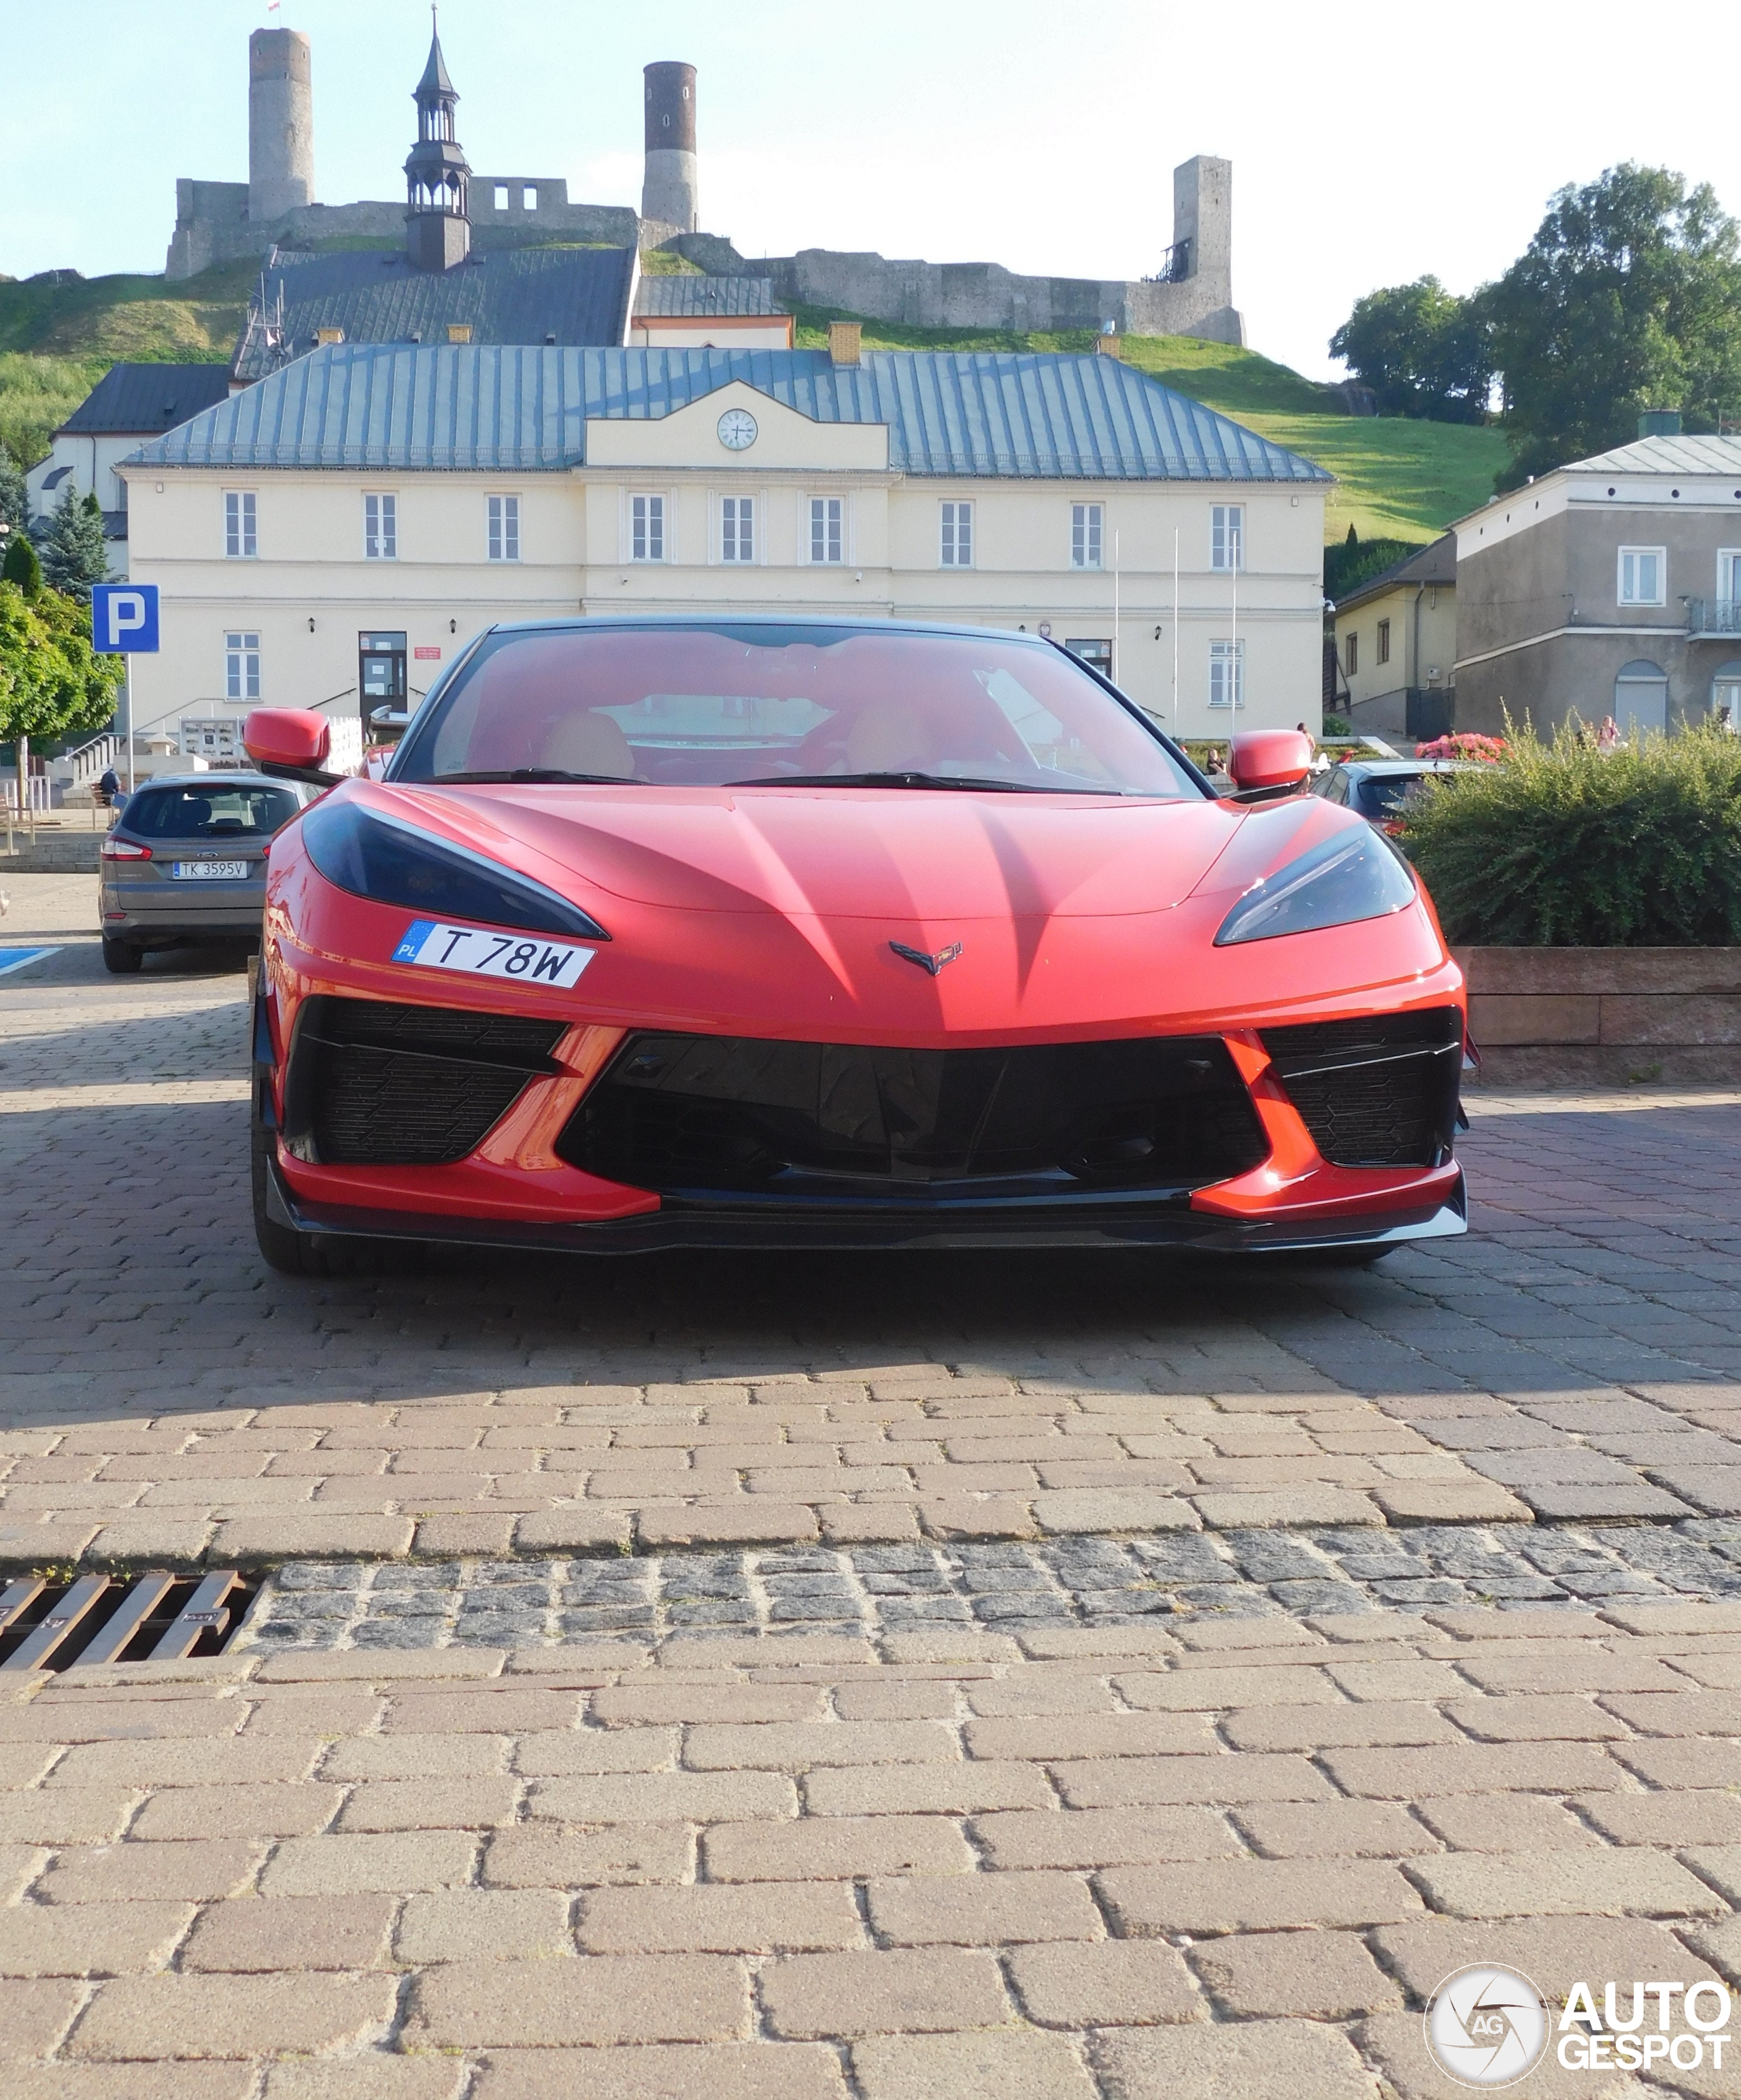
1605 1015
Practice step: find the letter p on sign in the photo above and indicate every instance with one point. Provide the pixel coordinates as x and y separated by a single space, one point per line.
124 619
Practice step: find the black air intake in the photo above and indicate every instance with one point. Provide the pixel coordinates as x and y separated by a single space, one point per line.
375 1085
1378 1092
699 1116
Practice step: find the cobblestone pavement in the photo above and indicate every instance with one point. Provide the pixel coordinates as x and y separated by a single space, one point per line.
1062 1678
870 1591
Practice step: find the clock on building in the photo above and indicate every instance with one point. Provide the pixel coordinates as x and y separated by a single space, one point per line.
737 429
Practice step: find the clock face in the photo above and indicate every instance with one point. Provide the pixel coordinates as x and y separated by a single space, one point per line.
737 429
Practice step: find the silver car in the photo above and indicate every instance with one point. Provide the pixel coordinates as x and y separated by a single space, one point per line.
186 862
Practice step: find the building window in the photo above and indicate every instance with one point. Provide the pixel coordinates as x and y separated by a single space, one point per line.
1350 653
505 529
1085 535
1227 536
1096 654
957 551
529 198
646 528
502 196
738 528
1644 575
381 528
1641 700
1384 642
239 524
827 537
241 667
1227 674
1729 575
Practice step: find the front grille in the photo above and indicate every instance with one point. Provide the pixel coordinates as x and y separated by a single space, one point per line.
375 1085
696 1114
1376 1092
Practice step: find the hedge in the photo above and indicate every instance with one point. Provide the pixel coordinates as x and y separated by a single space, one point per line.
1560 845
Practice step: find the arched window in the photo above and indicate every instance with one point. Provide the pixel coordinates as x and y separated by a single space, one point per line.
1641 700
1725 696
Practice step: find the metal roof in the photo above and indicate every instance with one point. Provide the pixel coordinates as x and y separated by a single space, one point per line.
137 400
515 295
1025 414
1676 455
1434 566
669 297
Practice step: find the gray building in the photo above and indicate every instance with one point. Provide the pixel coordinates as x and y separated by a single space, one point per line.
1610 586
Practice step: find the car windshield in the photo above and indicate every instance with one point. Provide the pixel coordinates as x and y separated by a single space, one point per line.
771 705
210 813
1389 794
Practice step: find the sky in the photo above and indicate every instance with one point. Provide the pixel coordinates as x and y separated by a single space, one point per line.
1370 145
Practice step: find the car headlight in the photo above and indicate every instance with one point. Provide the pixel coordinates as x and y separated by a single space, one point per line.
1355 874
377 856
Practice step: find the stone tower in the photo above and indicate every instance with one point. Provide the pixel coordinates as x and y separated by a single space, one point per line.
280 124
669 193
1203 226
437 223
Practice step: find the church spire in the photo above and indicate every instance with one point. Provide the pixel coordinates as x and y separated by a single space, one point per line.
437 227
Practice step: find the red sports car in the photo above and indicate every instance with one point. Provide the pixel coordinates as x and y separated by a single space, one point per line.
782 932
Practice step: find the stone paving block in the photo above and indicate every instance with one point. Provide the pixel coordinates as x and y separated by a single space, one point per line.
980 1910
94 1719
483 1924
90 1939
855 1523
999 2065
147 2017
268 1933
1111 1982
560 1754
1256 1895
799 1746
1303 1505
1553 1952
1313 1728
415 1757
1546 1884
1183 1691
375 2077
662 1703
1720 1866
1332 1829
1316 1975
1253 2060
1393 2042
453 1804
896 1991
834 1848
34 2014
605 1999
541 1856
664 1797
1249 1775
491 1534
760 1520
250 1811
755 1918
967 1516
66 1815
1409 1774
338 1864
1689 1761
718 2071
133 2081
1103 1837
1508 1823
1450 1501
1712 1817
288 1535
589 1529
1072 1510
193 1871
1553 1717
944 1789
1684 1713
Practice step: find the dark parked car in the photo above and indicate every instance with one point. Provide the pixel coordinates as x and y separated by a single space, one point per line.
1381 789
186 862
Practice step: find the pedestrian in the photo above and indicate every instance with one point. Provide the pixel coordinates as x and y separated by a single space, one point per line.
1608 738
108 788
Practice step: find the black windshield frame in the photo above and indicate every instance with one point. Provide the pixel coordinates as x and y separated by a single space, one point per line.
426 723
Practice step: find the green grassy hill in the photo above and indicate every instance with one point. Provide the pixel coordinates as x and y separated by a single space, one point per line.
1396 480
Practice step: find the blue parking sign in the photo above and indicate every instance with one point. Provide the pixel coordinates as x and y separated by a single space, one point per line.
124 619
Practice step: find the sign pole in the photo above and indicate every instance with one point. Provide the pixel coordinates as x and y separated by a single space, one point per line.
128 681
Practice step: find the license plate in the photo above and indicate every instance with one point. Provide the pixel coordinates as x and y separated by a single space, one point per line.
209 870
513 956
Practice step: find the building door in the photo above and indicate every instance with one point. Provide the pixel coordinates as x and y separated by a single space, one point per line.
381 671
1641 700
1097 655
1725 698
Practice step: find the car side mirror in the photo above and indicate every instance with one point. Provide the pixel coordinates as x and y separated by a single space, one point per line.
291 743
1266 760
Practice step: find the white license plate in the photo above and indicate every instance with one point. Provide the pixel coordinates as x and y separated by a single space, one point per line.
209 870
518 958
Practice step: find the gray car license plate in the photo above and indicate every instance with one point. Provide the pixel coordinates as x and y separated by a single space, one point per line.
209 870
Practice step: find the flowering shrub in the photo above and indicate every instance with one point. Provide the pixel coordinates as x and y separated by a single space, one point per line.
1465 745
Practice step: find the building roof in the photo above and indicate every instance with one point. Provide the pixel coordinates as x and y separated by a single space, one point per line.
1022 414
435 80
1434 566
669 297
1666 455
138 400
514 295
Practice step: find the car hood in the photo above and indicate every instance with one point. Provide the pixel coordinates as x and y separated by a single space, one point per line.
846 853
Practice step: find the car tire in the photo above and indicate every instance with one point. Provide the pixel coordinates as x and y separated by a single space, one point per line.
121 958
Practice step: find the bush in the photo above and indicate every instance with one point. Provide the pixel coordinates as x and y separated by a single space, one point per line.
1561 845
1464 744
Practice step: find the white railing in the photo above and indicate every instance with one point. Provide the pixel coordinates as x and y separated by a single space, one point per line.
41 792
91 760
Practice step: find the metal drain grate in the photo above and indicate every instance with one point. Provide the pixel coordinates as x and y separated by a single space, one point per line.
159 1618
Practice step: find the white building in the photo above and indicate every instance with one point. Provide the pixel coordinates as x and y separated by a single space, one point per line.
332 536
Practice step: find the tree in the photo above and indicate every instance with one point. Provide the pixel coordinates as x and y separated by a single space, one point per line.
74 555
15 509
1421 349
1629 298
20 566
52 682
